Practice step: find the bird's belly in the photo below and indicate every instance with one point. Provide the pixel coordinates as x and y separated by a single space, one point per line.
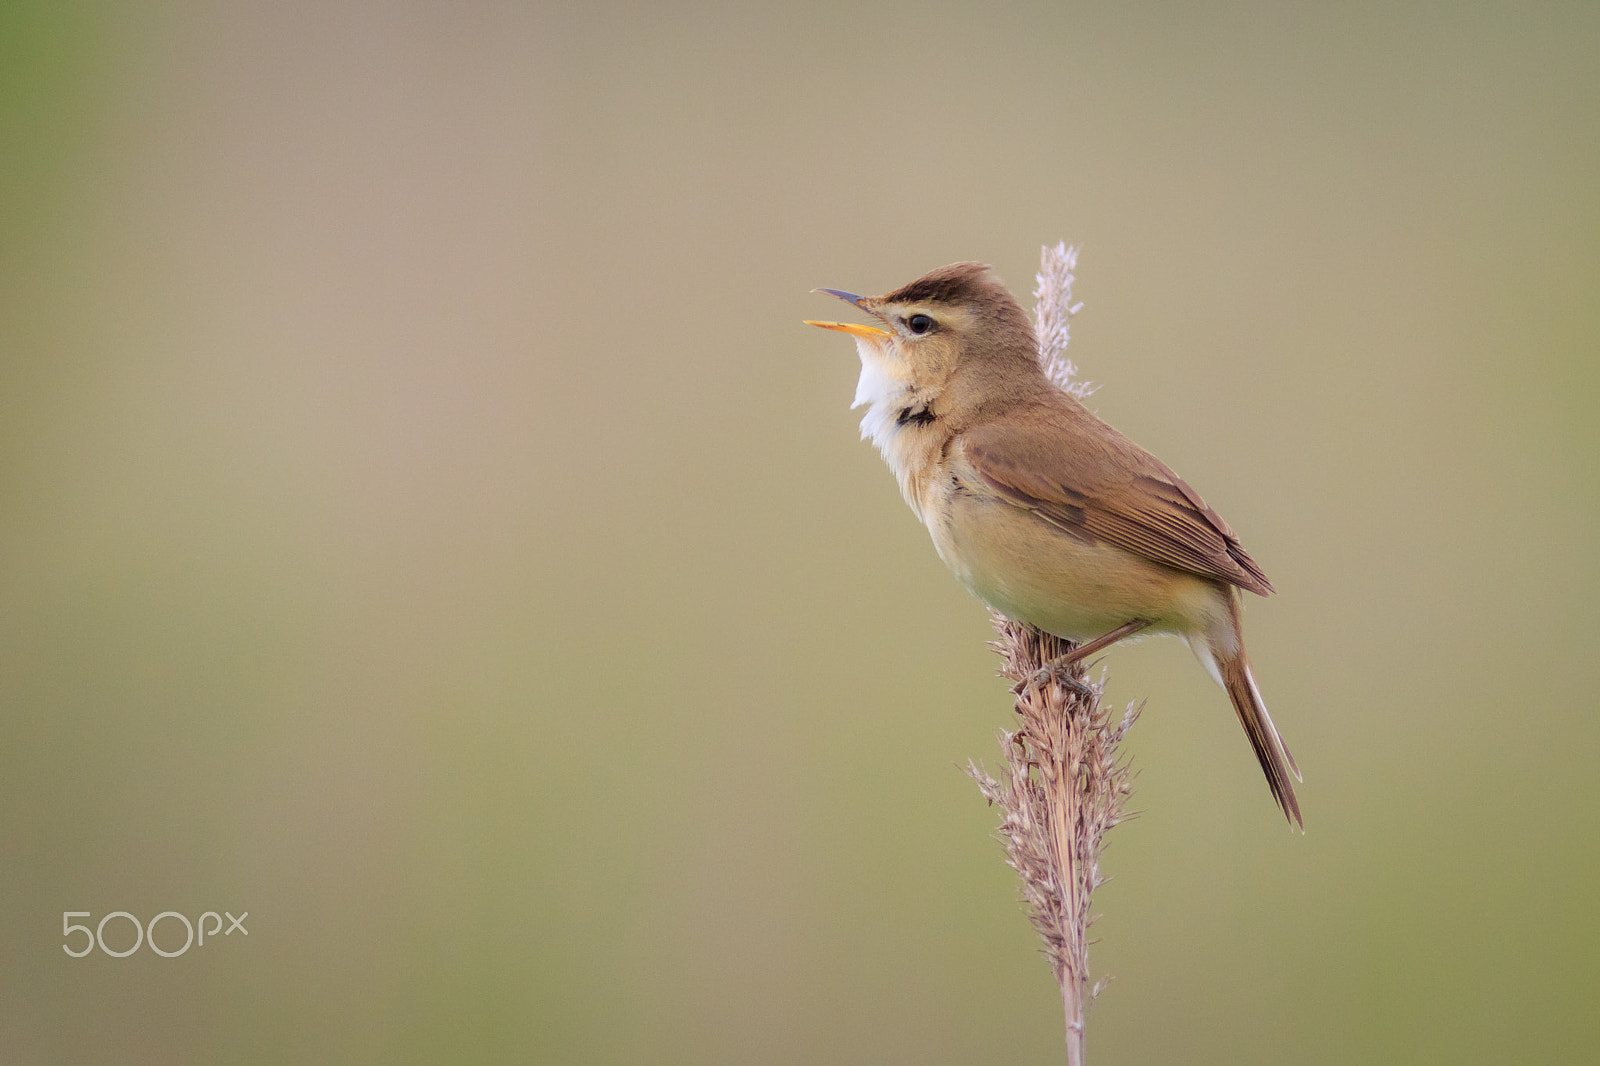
1030 570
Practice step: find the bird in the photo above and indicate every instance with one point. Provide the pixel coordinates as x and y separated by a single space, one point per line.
1040 508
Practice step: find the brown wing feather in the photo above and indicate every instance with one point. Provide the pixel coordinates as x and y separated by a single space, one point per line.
1080 475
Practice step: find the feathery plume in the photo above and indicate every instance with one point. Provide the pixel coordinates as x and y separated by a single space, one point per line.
1063 784
1052 316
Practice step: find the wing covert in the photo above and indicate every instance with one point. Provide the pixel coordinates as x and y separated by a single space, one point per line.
1125 496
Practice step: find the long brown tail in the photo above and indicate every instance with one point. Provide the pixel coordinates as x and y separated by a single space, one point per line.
1271 752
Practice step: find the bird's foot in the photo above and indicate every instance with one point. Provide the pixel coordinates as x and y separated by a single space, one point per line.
1058 670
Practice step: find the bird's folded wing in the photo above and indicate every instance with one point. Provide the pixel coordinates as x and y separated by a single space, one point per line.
1095 491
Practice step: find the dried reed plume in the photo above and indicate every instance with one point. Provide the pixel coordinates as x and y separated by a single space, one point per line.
1052 315
1063 786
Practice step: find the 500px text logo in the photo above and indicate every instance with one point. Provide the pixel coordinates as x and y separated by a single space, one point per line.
146 933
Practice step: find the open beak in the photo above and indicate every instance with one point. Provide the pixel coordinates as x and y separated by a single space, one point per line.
847 297
869 332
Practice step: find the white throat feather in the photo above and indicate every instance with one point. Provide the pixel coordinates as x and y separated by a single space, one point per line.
888 392
884 393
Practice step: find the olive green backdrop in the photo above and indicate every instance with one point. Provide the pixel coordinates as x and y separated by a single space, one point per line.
426 526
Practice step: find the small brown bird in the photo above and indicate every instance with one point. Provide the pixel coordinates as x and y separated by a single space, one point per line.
1039 508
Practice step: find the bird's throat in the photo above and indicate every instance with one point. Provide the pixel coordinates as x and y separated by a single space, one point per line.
901 422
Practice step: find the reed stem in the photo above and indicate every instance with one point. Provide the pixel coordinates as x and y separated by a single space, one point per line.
1063 785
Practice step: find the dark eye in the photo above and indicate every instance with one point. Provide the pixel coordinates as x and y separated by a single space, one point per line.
919 324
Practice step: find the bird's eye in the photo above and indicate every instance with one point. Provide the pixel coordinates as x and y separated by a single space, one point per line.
919 324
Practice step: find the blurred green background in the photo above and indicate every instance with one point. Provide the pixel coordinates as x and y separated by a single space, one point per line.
426 526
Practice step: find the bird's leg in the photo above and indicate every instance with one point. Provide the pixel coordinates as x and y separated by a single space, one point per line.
1058 668
1083 651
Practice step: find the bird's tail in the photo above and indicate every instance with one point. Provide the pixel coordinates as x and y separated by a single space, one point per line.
1221 652
1271 752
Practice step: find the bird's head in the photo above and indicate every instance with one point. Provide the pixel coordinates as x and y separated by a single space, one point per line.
955 322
